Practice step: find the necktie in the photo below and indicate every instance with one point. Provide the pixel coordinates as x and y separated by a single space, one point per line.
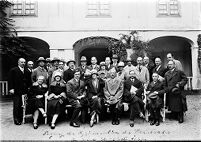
139 69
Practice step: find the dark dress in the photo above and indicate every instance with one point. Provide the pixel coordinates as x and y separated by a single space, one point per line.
95 103
33 102
55 106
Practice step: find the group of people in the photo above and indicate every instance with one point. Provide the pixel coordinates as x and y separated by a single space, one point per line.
112 86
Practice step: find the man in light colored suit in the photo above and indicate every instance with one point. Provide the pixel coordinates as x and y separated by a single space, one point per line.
142 73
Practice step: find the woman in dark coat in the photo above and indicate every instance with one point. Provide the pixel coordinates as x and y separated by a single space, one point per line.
95 94
56 98
36 99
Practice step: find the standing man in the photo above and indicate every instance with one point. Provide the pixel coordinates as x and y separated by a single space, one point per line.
108 63
30 65
128 68
175 80
115 61
94 64
40 70
75 89
142 72
48 64
159 69
83 66
69 73
178 64
19 81
148 65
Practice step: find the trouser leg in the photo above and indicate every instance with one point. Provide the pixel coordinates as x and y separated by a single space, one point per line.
134 110
17 109
75 115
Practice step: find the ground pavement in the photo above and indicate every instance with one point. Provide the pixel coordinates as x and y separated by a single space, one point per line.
168 130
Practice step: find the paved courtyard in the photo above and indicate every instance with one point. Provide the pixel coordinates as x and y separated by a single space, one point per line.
168 130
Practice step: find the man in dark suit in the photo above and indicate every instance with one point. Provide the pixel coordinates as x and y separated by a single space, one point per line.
95 95
159 69
155 92
30 65
69 73
83 66
76 95
19 81
149 66
133 96
175 80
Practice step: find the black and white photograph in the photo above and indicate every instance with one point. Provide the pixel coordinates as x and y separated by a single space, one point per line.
100 70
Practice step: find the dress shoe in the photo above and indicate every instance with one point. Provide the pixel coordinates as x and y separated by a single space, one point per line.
113 122
17 123
35 125
131 123
157 123
74 124
181 120
117 122
52 126
152 122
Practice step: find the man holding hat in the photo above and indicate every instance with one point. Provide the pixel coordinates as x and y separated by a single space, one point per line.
69 73
155 91
175 80
40 70
133 90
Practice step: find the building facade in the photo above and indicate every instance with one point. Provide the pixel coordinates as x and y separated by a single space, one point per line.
170 26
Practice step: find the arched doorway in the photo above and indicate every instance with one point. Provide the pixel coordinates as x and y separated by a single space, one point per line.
180 47
93 46
35 48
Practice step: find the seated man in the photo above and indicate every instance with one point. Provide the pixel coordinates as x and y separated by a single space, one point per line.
76 96
155 95
113 92
95 94
133 90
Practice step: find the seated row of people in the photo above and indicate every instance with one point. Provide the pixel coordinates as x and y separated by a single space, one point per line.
96 94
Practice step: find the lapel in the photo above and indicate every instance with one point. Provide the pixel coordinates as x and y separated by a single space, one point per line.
171 75
21 73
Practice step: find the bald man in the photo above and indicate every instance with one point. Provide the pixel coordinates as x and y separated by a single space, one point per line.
159 69
19 81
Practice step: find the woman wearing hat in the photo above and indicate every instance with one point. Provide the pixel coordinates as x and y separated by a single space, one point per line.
155 94
36 99
103 73
95 94
40 70
56 98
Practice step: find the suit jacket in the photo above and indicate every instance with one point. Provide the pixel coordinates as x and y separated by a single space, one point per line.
19 81
173 78
97 67
38 72
83 70
74 89
113 90
93 91
68 75
158 86
127 97
161 71
142 75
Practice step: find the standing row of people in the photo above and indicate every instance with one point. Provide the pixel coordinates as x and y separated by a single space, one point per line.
96 86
